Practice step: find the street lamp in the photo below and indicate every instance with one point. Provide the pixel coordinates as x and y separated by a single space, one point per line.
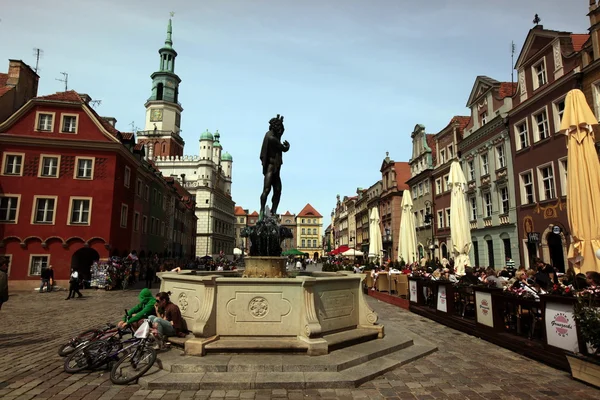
430 221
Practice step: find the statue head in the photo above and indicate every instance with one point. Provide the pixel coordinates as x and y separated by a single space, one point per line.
276 125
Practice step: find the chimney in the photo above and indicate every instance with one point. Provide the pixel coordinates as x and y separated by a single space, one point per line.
111 120
85 97
21 75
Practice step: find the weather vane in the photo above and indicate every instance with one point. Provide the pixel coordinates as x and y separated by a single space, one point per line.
536 20
172 14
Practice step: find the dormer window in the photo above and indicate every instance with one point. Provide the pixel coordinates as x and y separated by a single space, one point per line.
539 78
442 156
484 118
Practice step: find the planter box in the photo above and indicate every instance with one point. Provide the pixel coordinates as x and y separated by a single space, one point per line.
584 369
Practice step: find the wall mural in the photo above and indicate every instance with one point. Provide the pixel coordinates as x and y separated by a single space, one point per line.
550 211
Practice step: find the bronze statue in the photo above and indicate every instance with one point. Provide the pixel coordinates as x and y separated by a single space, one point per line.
271 158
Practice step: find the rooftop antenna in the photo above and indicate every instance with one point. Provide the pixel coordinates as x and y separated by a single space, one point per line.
95 103
134 128
65 80
37 53
536 20
512 66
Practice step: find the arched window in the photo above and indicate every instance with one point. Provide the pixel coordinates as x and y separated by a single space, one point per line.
164 148
159 91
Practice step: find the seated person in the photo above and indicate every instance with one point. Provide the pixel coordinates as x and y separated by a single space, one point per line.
143 310
168 320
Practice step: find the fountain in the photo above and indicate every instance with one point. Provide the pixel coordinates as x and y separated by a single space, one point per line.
264 309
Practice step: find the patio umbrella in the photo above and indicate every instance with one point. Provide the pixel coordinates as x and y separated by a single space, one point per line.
583 182
375 242
352 253
460 231
237 252
292 252
408 233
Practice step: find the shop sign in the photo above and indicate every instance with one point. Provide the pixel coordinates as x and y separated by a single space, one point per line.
413 291
561 330
441 299
483 301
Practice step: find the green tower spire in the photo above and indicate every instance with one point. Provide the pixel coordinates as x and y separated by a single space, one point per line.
169 41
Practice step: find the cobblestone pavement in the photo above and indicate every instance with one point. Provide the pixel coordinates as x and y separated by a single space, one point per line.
33 325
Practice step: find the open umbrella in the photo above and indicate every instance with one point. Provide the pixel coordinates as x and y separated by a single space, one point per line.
408 233
583 182
292 252
460 231
375 242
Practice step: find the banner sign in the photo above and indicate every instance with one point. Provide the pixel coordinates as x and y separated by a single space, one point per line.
561 330
442 304
483 303
413 291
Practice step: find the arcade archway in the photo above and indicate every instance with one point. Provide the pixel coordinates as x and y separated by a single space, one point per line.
82 260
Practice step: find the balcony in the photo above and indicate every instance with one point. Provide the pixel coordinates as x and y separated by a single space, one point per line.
487 222
504 219
473 225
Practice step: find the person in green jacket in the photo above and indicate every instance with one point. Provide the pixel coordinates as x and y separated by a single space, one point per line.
140 311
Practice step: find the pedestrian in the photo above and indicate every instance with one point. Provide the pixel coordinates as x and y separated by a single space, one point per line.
50 278
74 285
44 280
3 283
149 275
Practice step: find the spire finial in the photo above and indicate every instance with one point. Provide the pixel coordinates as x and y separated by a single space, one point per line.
537 20
169 41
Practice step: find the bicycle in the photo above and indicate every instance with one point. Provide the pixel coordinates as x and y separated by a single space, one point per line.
136 350
86 337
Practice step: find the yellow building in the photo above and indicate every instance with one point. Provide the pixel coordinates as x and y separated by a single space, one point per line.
309 230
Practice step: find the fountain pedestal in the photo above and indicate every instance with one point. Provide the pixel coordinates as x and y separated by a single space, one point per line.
265 267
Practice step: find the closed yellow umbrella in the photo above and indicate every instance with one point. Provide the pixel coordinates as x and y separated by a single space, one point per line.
583 182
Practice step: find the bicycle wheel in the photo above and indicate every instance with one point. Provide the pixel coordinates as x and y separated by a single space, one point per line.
75 343
86 357
138 361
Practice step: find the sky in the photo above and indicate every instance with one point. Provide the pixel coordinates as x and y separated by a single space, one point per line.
351 77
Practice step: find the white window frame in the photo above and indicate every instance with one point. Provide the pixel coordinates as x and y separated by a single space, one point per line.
72 129
447 210
414 192
483 117
127 177
438 186
450 150
420 189
473 208
124 215
446 182
536 133
139 188
17 208
5 160
500 156
72 200
562 171
488 208
34 210
38 257
442 156
504 200
43 158
536 75
517 133
471 170
440 219
147 193
485 163
38 118
426 187
541 188
84 177
522 186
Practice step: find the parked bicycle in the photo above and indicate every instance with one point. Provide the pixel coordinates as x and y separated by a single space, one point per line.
136 353
86 337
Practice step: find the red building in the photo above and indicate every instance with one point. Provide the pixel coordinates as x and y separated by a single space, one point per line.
548 67
74 189
446 145
393 177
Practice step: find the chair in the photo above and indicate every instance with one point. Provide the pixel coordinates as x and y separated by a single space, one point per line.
383 282
401 285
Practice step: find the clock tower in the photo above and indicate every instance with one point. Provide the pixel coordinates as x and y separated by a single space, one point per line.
163 110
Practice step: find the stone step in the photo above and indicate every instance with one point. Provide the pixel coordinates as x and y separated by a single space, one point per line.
347 338
238 380
256 344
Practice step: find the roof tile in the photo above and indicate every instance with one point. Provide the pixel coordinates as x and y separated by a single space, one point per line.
71 96
127 135
309 211
402 175
239 211
578 40
507 89
254 214
3 79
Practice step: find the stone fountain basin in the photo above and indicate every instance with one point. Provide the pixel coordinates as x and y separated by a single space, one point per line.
232 313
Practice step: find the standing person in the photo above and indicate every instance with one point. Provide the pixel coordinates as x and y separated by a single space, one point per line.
73 285
50 278
44 280
3 283
149 274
